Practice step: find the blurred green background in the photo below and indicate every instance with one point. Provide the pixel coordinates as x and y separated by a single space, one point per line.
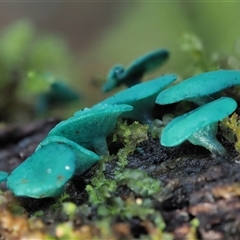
78 42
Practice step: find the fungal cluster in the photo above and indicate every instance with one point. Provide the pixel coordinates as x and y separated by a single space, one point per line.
76 144
70 148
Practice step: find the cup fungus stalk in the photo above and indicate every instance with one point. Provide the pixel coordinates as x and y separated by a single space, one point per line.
199 126
206 138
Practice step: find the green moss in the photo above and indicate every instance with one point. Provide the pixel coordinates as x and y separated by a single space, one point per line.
231 130
130 134
201 60
192 234
65 231
60 200
139 182
100 188
69 208
104 192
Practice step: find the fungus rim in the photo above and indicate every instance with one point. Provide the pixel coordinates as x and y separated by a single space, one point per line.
216 108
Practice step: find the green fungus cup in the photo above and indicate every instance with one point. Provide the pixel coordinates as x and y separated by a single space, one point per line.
201 88
90 127
141 97
133 74
199 126
44 173
85 159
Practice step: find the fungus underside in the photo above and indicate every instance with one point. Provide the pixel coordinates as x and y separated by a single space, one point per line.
89 128
199 126
141 97
40 175
137 69
85 159
199 88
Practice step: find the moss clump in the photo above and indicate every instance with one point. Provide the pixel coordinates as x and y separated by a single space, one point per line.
201 60
130 134
231 130
101 187
104 192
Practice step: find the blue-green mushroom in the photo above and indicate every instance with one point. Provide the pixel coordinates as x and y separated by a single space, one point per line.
141 97
199 126
44 173
136 70
90 127
85 159
59 93
201 88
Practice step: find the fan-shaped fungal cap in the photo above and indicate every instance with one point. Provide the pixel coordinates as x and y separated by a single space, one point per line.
59 93
3 176
44 173
182 127
85 159
114 78
136 70
90 127
147 63
141 97
201 85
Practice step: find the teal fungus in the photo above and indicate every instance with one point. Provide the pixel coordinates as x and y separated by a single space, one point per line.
201 88
58 93
62 154
85 159
90 127
76 144
199 126
132 75
142 97
44 173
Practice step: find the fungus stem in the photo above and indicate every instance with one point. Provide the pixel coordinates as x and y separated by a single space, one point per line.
201 100
206 137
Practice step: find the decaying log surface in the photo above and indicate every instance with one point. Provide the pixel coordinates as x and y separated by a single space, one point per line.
195 184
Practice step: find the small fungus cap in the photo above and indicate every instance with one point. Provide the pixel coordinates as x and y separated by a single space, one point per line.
44 173
140 91
141 97
3 176
201 85
136 70
60 91
113 78
116 72
182 127
85 159
147 63
90 127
